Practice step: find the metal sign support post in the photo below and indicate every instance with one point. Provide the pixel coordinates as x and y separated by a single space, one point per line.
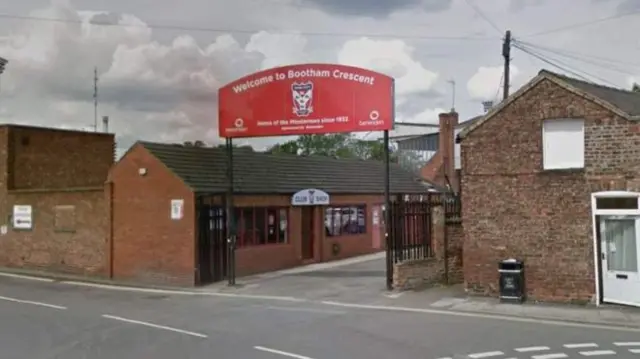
387 212
231 228
389 242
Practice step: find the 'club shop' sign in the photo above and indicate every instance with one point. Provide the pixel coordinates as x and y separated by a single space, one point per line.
310 197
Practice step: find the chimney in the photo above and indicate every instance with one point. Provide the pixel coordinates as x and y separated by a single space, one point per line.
448 122
105 123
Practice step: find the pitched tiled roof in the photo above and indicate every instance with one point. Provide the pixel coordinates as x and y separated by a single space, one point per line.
626 100
204 170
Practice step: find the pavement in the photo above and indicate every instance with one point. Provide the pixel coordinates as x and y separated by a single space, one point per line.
333 311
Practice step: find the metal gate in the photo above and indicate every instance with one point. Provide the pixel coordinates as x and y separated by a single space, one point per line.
212 240
410 229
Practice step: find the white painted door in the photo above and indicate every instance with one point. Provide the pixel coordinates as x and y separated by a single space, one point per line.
620 245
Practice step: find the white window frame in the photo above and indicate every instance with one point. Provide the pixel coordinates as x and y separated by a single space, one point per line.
568 152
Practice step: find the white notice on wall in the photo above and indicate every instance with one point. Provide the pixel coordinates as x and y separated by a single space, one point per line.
3 229
22 217
177 209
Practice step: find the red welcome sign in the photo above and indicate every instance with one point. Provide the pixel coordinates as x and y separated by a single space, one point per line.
306 99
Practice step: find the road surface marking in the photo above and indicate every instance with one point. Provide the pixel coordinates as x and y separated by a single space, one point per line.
598 352
627 344
581 345
550 356
484 316
485 355
181 292
307 310
27 277
635 351
33 303
531 349
154 326
280 352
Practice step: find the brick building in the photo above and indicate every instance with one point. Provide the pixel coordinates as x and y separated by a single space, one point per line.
52 201
551 176
168 211
436 150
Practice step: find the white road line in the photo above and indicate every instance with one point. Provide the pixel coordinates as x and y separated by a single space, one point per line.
185 292
581 345
550 356
306 310
53 306
531 349
598 352
627 344
485 355
484 316
199 335
635 351
27 277
280 352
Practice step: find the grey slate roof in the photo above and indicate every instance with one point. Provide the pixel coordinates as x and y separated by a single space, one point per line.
204 170
625 100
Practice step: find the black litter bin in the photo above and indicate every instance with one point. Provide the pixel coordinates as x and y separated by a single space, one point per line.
511 281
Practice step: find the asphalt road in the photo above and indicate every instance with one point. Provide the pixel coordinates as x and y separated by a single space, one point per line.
57 320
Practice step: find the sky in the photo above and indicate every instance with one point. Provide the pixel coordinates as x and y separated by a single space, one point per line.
160 64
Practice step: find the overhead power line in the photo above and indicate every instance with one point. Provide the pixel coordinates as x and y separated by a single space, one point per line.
562 66
253 31
579 54
582 24
600 64
484 16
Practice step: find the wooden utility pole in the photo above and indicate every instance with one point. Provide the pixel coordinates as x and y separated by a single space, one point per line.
506 53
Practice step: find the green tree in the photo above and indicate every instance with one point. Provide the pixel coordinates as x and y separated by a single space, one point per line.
635 87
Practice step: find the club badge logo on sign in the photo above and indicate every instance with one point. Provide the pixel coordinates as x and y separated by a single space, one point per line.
302 98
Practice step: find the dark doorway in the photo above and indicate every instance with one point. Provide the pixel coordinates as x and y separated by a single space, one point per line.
212 242
308 232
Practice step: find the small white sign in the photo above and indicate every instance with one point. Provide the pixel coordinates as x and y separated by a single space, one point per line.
310 197
4 229
376 217
177 209
22 217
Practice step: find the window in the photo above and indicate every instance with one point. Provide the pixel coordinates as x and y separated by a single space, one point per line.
563 144
617 203
261 225
620 235
345 220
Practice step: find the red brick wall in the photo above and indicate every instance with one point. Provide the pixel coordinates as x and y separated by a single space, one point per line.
149 246
54 159
81 251
46 168
512 208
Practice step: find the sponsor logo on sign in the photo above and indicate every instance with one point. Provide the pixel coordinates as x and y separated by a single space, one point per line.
302 98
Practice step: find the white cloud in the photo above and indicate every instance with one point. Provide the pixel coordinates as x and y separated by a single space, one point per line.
150 90
393 58
486 83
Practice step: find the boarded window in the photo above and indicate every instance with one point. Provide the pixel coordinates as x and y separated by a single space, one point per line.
65 218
